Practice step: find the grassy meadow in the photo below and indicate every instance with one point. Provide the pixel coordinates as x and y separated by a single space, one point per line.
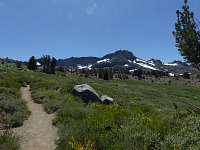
150 115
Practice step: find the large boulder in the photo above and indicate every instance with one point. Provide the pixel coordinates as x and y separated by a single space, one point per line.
108 100
86 93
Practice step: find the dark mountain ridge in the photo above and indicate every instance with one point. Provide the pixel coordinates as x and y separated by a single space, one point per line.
124 59
75 61
120 54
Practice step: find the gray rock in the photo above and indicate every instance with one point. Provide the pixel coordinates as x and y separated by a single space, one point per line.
86 93
24 84
108 100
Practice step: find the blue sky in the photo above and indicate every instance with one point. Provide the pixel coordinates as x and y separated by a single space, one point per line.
66 28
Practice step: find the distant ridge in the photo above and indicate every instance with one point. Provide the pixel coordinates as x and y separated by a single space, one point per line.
75 61
124 59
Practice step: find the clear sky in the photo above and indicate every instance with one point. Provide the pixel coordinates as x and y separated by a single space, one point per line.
66 28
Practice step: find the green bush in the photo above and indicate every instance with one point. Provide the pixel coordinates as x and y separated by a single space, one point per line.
13 112
67 88
102 126
9 92
138 134
187 136
73 112
52 105
95 124
39 96
8 141
71 122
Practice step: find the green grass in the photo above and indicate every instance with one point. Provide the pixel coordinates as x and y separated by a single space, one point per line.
159 95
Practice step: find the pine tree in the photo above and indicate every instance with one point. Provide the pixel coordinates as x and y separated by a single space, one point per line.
187 36
106 75
19 64
53 65
32 63
46 62
49 64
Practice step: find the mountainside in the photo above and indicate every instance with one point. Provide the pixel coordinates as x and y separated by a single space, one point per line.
75 62
124 59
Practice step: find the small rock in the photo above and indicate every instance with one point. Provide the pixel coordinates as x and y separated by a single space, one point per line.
24 84
108 100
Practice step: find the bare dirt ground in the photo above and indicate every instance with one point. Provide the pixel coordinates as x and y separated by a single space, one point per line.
37 133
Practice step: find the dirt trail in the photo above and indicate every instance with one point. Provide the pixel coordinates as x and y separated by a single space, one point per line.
37 133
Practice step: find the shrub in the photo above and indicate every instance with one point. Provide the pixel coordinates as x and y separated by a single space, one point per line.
71 122
13 112
67 88
73 112
95 125
9 92
52 105
187 136
8 141
138 134
39 96
102 126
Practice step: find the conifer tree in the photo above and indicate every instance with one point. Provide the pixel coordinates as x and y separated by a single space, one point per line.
53 65
187 36
32 63
49 64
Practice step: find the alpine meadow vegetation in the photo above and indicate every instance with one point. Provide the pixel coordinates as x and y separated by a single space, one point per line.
146 117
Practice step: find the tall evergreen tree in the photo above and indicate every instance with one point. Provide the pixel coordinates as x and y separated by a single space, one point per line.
46 63
53 65
49 64
106 75
19 64
187 36
32 63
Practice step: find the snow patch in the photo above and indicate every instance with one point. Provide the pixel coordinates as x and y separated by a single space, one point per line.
132 70
104 60
84 67
170 64
171 74
38 64
144 65
151 63
141 60
126 65
147 66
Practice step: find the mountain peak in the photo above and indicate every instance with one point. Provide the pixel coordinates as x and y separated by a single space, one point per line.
155 61
121 54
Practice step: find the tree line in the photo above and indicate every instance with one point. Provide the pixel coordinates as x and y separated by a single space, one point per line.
48 64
